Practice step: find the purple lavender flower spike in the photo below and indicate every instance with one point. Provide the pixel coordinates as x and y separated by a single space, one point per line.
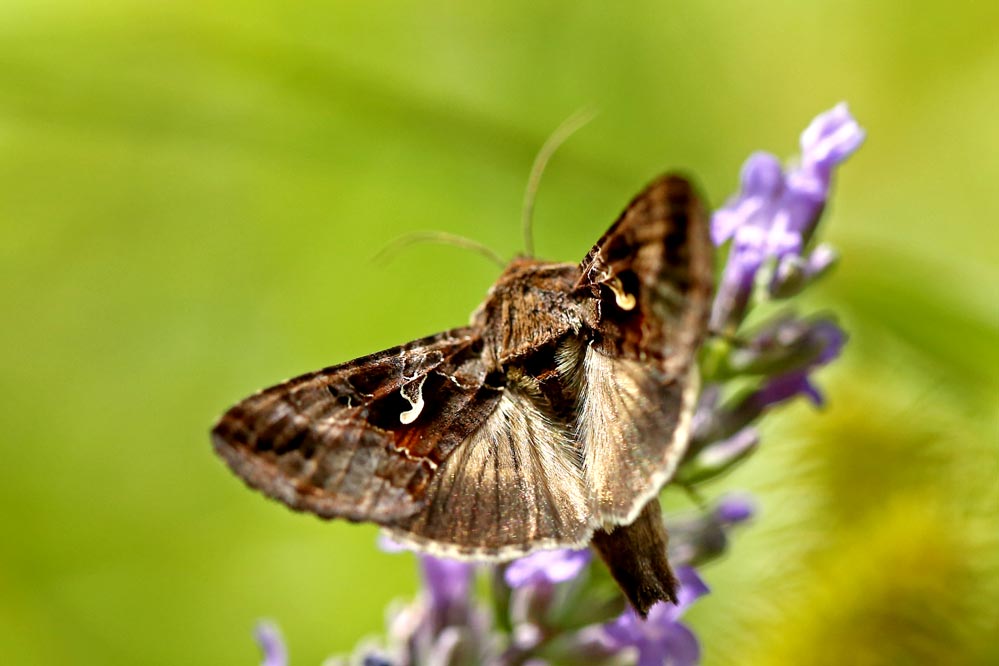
269 639
661 638
551 566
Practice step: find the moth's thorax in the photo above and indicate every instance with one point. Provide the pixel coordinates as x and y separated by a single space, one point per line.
532 303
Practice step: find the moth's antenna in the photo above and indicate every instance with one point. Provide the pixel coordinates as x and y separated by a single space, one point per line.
557 138
441 237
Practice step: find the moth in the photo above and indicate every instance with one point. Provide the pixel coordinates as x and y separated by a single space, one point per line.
552 420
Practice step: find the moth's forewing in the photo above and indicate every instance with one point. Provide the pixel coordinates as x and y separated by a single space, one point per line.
334 442
652 273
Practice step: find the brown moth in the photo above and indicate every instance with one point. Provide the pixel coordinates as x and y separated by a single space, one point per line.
551 421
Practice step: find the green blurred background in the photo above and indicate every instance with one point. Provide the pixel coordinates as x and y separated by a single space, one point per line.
190 197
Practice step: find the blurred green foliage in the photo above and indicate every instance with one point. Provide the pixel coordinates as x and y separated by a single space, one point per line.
190 196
